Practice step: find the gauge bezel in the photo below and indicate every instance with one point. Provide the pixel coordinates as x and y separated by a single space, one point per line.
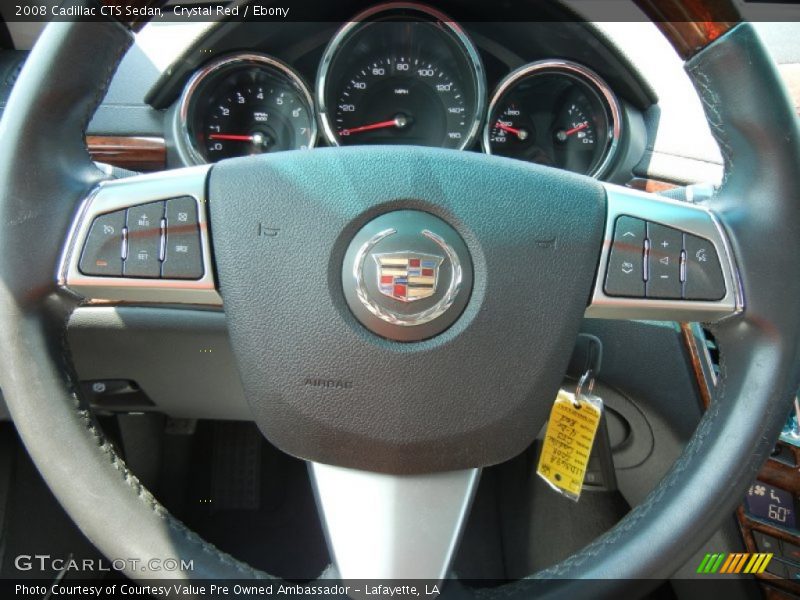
184 144
364 18
575 70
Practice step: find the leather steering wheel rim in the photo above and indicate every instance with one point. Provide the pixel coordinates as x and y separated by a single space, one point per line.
62 83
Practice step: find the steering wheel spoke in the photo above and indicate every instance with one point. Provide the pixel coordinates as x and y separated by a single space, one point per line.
393 527
143 239
663 259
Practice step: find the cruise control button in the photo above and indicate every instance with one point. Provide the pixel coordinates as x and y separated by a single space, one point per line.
704 279
625 273
144 240
183 257
664 261
102 252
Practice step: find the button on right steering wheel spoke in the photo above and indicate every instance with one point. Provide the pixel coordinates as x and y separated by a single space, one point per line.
663 260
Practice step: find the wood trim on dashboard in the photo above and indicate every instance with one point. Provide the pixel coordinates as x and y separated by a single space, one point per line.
703 385
691 25
652 186
134 153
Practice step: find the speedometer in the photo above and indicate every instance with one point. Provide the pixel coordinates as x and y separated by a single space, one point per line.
401 74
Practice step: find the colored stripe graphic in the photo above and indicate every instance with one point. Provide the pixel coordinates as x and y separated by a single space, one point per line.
703 563
736 562
753 560
717 563
755 564
739 563
727 563
763 565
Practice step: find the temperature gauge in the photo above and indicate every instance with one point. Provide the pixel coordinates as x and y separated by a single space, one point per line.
557 114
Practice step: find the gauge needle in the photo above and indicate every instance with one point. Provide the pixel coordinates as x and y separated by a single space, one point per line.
399 121
231 137
576 129
520 133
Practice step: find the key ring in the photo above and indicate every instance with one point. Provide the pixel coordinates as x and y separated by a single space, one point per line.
587 376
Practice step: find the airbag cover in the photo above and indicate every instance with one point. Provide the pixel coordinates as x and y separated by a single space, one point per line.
325 388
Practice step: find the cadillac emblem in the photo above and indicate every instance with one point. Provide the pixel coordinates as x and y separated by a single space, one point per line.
407 276
402 272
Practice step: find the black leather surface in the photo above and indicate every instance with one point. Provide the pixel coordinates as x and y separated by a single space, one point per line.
757 129
475 395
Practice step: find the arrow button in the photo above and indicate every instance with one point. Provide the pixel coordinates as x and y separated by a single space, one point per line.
625 273
663 267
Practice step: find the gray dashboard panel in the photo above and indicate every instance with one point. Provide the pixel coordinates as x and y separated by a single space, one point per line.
180 358
124 111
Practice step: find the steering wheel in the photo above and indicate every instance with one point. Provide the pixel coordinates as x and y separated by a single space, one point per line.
396 404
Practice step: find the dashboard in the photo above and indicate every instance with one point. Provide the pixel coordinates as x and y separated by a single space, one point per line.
664 138
406 73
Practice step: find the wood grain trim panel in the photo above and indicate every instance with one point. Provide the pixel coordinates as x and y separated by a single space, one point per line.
691 25
695 355
650 185
134 153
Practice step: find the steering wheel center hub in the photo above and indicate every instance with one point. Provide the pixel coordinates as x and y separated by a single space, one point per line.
393 272
407 275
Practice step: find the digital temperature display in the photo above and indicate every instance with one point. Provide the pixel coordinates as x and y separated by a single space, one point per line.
771 504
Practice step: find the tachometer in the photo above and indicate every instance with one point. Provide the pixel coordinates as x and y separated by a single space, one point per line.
555 113
401 74
242 105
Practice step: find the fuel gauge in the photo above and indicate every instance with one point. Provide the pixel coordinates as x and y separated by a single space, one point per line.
554 113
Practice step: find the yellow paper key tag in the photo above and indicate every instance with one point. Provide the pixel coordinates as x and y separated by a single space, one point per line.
568 442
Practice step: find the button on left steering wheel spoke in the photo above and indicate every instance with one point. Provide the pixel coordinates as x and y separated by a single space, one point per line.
143 239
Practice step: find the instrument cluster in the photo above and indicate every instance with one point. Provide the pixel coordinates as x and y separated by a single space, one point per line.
400 74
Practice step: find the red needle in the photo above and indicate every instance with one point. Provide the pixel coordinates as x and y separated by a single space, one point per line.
576 129
379 125
504 127
230 136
